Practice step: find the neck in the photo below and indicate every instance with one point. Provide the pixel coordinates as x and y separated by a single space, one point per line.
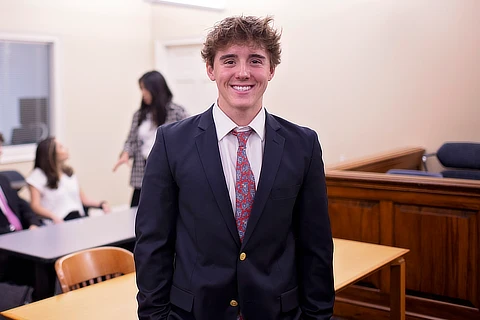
59 168
241 117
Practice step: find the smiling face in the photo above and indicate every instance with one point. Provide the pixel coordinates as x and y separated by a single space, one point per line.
242 73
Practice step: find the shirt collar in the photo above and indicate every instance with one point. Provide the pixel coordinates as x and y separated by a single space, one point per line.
224 124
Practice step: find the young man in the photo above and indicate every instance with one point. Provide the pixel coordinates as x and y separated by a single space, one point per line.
15 215
233 219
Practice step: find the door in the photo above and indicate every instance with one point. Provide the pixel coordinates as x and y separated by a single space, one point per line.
185 72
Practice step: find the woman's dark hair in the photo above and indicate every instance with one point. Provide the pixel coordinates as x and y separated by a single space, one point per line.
155 83
46 160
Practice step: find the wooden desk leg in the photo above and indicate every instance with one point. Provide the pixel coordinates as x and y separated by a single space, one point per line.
397 290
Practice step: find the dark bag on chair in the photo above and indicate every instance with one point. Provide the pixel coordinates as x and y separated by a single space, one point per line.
14 296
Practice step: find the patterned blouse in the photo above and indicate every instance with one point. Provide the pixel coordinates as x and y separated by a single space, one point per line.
133 143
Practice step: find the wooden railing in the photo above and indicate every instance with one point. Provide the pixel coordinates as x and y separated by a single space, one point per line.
437 219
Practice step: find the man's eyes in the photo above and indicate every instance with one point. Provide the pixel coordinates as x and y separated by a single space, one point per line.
254 61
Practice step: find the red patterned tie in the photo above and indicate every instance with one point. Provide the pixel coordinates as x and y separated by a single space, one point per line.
244 187
244 184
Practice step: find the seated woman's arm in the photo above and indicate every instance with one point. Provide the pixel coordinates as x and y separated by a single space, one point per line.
86 201
37 206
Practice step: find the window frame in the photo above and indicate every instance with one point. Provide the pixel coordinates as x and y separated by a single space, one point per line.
26 152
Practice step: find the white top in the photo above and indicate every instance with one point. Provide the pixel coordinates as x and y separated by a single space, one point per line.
228 145
147 133
60 201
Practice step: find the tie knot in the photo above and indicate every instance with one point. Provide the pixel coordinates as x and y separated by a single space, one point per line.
242 137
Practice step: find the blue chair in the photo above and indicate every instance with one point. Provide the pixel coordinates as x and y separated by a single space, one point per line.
461 160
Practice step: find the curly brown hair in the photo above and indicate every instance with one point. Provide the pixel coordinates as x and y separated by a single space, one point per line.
243 30
2 140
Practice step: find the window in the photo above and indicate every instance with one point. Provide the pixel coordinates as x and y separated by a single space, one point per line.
27 68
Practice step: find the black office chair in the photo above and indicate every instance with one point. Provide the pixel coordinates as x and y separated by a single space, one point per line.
16 179
461 160
17 182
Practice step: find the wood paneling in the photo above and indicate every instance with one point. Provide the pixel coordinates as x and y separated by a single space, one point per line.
437 219
442 260
363 214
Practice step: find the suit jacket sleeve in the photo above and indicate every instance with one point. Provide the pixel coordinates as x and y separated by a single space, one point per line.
155 234
19 206
314 242
27 216
130 144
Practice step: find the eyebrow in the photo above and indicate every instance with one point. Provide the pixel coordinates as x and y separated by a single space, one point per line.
231 55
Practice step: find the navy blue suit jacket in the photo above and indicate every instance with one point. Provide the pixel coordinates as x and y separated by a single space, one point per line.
187 250
20 207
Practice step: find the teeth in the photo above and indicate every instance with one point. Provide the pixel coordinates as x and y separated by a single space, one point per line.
242 88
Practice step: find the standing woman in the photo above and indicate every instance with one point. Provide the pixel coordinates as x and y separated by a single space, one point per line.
156 109
54 190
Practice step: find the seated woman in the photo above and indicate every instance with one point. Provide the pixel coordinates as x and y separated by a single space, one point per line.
54 189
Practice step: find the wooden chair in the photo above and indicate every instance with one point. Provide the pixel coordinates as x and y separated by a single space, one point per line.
83 268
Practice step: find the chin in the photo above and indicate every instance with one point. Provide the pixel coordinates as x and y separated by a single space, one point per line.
245 106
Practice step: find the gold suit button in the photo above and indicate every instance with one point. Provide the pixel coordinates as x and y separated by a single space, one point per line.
233 303
243 256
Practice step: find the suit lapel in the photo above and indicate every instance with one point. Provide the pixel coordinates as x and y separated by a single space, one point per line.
207 146
272 157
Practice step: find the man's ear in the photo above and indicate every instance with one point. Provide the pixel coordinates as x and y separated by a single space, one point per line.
210 73
272 73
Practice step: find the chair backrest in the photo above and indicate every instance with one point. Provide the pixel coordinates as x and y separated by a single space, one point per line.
460 155
15 178
86 267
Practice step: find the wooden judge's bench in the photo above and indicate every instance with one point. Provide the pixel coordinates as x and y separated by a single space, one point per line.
436 218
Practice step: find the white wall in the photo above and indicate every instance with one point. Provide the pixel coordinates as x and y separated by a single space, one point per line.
367 75
105 47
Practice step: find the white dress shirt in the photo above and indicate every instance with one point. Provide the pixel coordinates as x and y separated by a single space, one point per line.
228 145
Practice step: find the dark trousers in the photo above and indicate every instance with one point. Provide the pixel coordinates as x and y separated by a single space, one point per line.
135 198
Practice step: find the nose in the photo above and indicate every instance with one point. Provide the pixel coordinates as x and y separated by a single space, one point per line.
243 71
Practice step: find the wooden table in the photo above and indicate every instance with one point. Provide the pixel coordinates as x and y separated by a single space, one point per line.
355 260
43 246
115 298
112 299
